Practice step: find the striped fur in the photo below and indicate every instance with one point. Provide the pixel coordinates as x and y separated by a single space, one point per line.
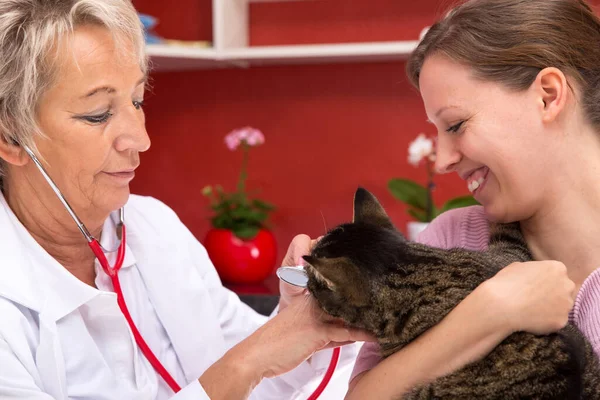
368 274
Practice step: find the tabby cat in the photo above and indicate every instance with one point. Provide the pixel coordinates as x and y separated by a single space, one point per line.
369 275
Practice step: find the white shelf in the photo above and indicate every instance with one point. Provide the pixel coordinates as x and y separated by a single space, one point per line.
180 58
174 58
231 46
323 53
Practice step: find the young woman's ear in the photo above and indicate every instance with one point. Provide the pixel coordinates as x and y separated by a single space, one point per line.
552 89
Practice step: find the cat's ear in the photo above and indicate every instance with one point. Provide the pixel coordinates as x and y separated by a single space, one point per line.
341 276
368 210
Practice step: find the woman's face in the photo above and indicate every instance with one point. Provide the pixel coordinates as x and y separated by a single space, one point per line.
94 122
491 136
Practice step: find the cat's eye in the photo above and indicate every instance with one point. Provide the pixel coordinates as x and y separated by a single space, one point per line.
455 128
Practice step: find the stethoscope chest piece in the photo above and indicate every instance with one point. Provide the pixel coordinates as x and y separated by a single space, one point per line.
293 275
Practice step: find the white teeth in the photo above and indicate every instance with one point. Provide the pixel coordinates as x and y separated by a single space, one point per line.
473 185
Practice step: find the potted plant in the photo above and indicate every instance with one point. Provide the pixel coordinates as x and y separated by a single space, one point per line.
240 243
419 198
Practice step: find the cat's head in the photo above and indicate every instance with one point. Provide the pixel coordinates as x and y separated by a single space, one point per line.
348 266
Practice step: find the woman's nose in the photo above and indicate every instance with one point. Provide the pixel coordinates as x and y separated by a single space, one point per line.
447 156
133 134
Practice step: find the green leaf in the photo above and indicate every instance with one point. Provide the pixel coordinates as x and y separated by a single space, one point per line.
241 213
221 207
246 232
409 192
463 201
261 205
222 221
418 214
239 198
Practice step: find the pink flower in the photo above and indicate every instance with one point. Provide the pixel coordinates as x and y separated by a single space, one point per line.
250 136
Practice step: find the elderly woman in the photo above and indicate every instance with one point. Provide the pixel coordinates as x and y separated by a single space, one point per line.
72 76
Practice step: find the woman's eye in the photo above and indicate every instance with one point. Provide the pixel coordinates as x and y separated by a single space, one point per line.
138 104
454 128
97 119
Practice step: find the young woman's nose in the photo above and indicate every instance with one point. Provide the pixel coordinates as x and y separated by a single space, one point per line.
447 155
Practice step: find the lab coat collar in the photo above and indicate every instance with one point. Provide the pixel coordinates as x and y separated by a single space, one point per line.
37 281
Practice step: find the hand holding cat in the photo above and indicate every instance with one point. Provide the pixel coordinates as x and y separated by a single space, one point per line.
293 335
299 329
533 296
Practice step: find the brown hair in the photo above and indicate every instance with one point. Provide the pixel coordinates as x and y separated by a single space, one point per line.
511 41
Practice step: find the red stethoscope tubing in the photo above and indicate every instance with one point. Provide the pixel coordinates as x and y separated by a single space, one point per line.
335 356
113 273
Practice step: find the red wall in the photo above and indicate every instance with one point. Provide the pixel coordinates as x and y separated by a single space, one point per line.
328 128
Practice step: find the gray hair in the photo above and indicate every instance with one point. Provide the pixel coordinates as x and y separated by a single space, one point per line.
30 31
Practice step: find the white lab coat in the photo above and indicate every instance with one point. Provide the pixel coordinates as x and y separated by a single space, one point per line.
201 317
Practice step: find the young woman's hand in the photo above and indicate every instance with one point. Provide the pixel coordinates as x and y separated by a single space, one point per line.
533 296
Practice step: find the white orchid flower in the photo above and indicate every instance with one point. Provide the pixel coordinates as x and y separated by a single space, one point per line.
420 148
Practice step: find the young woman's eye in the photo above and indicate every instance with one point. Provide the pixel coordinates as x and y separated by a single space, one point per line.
454 128
97 119
138 104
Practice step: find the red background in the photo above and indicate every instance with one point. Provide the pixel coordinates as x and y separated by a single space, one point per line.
328 128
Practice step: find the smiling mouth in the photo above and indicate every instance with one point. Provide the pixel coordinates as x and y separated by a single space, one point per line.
474 185
476 179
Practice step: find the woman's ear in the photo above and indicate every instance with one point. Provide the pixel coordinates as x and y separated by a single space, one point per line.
552 90
11 152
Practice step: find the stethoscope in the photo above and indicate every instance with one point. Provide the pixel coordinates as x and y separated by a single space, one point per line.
112 272
293 275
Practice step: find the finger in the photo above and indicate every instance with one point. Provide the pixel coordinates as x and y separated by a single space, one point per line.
328 319
333 345
339 334
362 336
314 242
290 290
574 291
299 246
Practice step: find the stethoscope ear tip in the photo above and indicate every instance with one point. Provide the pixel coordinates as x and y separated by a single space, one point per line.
294 275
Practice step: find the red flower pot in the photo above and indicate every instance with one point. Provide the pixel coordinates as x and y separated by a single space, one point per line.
241 261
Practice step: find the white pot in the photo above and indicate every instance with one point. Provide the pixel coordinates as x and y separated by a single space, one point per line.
414 228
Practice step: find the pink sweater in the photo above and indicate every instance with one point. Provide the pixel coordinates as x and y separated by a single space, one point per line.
468 228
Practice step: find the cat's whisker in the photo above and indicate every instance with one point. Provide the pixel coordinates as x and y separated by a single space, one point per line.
324 223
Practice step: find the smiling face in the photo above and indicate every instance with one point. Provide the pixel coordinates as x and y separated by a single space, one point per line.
93 121
493 137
